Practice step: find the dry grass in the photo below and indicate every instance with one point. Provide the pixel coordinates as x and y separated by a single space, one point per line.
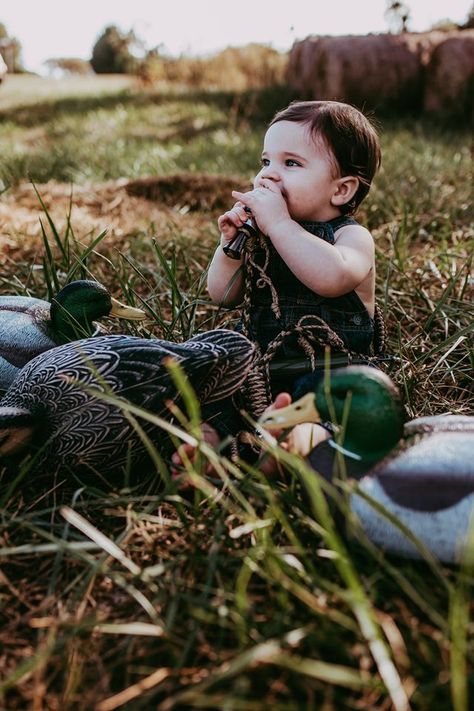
122 207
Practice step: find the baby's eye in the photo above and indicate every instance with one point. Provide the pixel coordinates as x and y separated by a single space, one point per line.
264 162
290 162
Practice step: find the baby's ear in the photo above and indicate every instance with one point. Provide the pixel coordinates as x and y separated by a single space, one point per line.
346 188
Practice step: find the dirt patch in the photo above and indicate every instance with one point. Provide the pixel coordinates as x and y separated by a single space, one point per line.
123 208
194 191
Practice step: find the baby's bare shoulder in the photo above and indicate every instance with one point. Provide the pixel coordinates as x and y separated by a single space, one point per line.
352 231
355 236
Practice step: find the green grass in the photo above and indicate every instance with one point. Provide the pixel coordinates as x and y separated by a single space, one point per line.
126 132
243 594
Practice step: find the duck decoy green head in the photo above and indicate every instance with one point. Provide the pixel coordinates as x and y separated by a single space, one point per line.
361 399
75 308
30 326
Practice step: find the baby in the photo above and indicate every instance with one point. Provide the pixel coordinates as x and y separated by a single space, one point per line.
317 165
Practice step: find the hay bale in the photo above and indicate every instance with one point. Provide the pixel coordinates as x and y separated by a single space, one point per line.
369 71
301 66
189 191
449 87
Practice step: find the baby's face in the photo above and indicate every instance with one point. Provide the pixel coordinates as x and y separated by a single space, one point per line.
302 168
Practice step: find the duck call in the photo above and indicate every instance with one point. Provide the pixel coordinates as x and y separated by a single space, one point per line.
235 247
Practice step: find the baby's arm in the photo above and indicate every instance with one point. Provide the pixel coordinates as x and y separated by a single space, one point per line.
224 281
328 270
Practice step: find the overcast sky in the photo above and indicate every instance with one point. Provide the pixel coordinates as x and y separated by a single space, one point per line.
61 28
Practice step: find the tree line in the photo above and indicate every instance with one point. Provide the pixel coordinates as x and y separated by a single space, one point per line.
118 52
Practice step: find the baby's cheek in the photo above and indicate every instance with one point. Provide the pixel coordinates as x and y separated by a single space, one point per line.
289 205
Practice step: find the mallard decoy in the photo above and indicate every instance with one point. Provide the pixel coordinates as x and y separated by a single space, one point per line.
31 326
55 409
423 472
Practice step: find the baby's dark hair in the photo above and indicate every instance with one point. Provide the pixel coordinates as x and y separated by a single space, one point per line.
350 136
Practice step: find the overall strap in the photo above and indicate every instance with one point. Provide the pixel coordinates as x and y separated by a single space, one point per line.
327 230
255 274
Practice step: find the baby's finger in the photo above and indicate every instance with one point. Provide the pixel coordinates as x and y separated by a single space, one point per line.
247 199
183 453
229 219
238 215
281 400
241 210
241 197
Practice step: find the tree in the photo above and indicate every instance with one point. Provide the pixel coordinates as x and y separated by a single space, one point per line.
10 50
469 24
113 53
398 16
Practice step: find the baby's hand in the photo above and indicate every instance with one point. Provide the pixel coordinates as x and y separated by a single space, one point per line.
301 440
267 204
231 221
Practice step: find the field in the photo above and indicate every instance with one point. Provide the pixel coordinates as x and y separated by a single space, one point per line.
244 594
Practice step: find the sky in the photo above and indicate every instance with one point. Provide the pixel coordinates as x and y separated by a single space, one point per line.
65 28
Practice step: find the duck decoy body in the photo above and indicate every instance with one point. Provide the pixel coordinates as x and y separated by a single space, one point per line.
54 409
30 326
421 472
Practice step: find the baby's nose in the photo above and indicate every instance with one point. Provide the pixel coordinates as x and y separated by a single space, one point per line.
268 173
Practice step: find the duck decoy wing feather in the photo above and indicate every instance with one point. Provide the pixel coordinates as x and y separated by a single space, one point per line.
429 475
130 367
63 389
133 368
232 354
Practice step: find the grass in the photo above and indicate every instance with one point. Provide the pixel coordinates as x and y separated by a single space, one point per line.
244 594
119 131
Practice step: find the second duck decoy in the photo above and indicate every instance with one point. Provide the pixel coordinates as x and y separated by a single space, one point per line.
30 326
421 472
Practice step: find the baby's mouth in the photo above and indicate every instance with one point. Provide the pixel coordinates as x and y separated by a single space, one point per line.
282 192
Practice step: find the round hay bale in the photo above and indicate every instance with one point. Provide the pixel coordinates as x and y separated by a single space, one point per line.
449 87
300 69
369 71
